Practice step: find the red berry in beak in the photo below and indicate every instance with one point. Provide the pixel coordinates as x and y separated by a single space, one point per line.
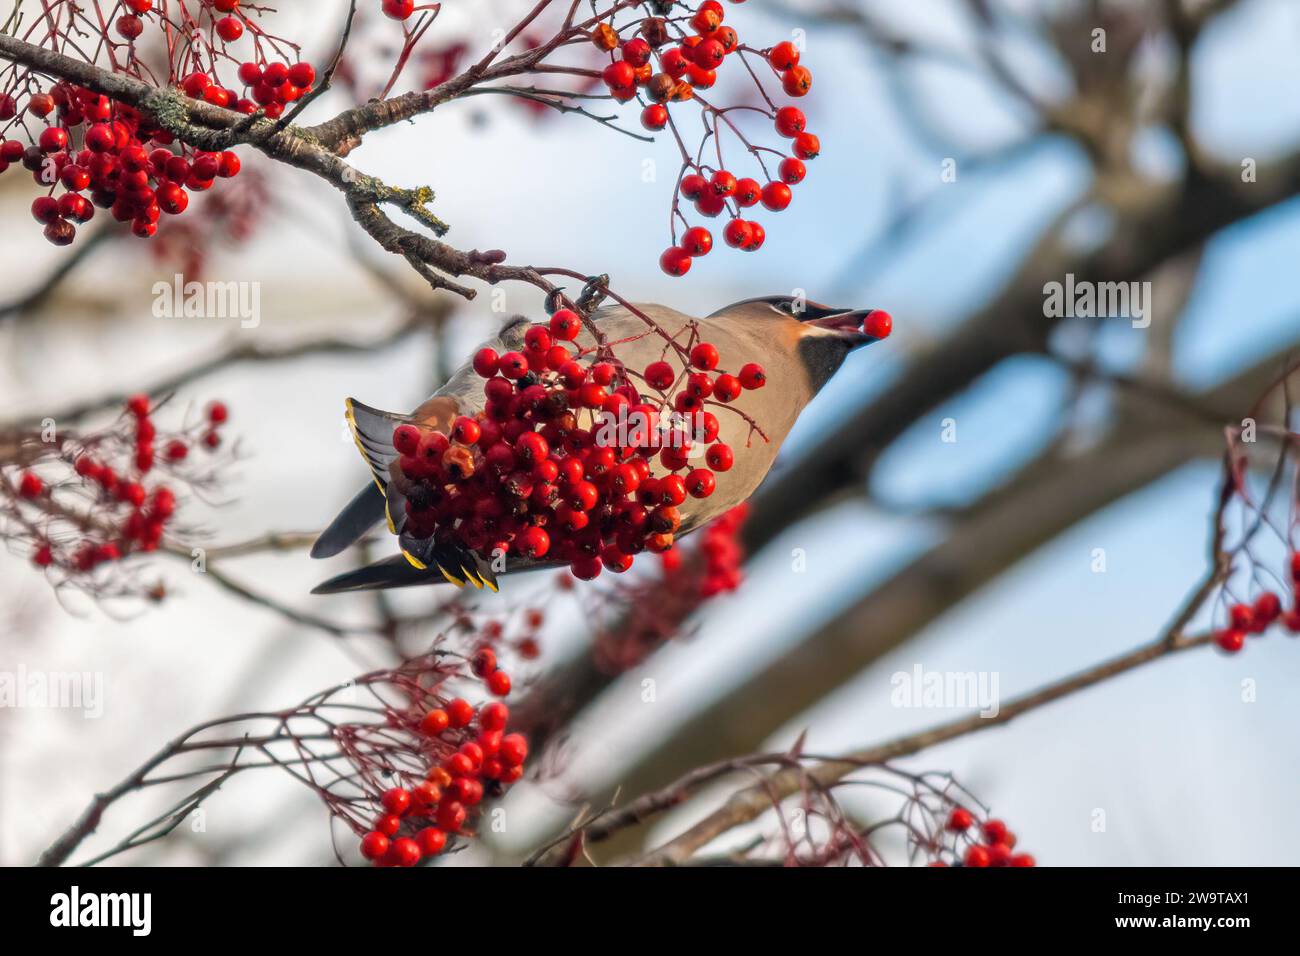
878 324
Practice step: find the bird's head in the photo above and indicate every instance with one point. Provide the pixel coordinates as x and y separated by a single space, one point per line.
819 336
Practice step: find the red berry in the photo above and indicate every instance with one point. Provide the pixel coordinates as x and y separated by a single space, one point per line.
710 54
978 856
700 483
719 457
636 51
1266 610
995 831
404 852
738 233
460 712
747 192
619 74
514 365
792 171
710 203
435 722
807 146
537 338
704 356
486 362
565 325
723 183
399 9
218 413
776 196
466 430
752 376
129 26
45 209
451 815
406 439
52 139
396 800
228 165
654 117
878 324
172 199
790 121
514 750
532 542
230 29
697 241
40 104
783 56
498 683
675 261
29 485
1230 639
693 186
726 388
302 75
960 819
374 845
659 375
797 81
484 661
431 840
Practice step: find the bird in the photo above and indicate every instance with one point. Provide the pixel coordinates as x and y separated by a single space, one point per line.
801 344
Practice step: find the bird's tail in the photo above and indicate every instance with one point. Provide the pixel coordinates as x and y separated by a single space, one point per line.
394 572
372 430
362 513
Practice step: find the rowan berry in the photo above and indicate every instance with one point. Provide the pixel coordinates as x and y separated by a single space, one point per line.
959 819
783 56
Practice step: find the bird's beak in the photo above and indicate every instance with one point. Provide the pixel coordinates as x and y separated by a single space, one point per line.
860 326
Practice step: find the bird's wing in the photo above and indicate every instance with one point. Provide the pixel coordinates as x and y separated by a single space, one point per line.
372 430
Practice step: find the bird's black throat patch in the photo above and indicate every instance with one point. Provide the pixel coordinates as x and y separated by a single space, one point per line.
822 356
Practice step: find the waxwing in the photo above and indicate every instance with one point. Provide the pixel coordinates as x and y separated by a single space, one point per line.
800 344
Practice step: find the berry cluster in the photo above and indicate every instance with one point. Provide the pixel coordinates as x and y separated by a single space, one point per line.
469 755
528 477
127 514
1261 614
104 153
666 65
648 613
991 845
722 555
